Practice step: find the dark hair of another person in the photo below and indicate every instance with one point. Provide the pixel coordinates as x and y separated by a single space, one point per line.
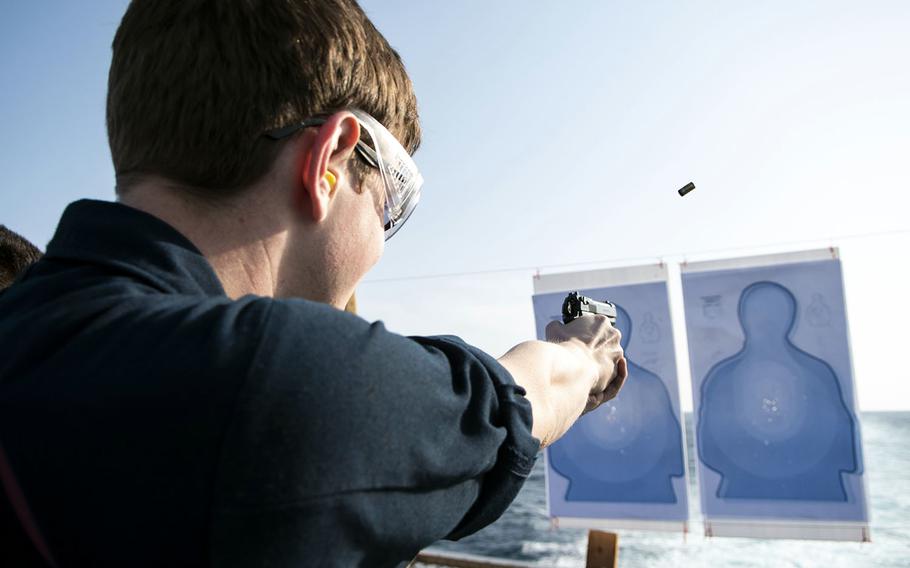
194 84
16 254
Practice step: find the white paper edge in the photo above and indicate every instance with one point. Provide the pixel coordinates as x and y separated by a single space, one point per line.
856 409
761 260
621 524
641 274
796 530
677 315
567 281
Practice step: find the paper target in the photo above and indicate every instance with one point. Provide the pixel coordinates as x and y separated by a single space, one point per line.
776 428
625 459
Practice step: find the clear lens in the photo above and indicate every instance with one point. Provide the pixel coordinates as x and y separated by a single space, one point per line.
399 173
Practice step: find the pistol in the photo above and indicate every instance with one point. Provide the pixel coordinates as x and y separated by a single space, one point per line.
575 305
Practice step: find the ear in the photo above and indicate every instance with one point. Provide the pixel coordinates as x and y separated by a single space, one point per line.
329 145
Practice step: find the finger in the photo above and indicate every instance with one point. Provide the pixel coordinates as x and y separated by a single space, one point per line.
553 329
622 370
614 336
594 401
618 381
602 326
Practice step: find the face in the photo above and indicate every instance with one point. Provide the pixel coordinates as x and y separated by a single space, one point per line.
370 197
357 238
350 238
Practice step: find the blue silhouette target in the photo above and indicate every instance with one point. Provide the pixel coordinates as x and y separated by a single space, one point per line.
776 430
625 459
772 420
629 449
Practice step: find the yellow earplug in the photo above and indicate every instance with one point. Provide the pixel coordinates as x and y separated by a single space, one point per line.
331 179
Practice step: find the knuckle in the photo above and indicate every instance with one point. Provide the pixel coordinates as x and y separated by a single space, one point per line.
555 331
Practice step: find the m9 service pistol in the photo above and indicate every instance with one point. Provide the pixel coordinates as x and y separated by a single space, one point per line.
575 305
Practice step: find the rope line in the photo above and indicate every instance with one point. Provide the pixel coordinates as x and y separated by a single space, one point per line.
635 260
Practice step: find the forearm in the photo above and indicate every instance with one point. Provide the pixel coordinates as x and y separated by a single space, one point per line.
558 378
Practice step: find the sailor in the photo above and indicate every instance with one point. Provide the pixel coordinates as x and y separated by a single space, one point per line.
179 384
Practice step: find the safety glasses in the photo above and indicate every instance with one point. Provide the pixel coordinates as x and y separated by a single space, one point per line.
400 177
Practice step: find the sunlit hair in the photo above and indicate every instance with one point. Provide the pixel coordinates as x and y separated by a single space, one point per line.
194 84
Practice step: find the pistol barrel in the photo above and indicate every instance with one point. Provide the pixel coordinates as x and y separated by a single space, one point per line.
575 305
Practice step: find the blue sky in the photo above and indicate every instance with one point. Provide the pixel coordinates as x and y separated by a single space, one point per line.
557 133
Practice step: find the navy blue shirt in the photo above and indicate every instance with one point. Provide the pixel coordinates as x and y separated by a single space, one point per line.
152 421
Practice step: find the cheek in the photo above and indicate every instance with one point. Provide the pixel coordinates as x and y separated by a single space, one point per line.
379 250
378 238
371 228
378 195
378 192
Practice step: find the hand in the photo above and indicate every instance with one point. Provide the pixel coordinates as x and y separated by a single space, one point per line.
602 341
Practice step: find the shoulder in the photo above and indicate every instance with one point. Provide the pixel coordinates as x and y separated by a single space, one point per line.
338 343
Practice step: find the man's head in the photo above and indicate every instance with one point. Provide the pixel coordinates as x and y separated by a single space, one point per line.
195 84
195 88
16 254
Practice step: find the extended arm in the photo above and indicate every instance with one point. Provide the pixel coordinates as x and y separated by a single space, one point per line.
580 367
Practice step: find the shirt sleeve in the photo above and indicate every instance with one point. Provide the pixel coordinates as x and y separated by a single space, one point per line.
351 445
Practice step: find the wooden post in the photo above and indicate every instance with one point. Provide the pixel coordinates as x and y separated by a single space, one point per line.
603 549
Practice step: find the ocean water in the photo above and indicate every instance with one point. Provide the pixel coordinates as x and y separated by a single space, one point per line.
524 532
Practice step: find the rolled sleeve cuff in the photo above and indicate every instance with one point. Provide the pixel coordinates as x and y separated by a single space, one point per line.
517 454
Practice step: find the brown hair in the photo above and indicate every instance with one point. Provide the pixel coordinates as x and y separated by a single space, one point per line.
194 84
16 254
